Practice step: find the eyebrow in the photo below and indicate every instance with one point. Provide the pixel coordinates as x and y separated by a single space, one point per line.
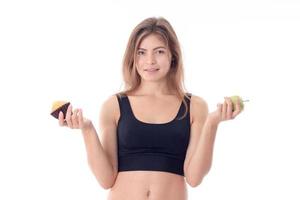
153 49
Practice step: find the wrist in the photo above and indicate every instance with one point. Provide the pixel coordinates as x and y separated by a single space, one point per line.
87 128
211 122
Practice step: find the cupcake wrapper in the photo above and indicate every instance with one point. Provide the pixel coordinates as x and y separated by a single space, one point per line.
62 108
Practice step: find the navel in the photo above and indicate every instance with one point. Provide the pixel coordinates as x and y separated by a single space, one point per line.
148 193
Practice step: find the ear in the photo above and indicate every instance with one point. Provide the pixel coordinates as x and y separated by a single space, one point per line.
172 61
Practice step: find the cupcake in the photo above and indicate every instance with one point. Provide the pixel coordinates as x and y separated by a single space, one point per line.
58 106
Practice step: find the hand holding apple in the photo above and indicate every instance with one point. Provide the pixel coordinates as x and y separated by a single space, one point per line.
231 107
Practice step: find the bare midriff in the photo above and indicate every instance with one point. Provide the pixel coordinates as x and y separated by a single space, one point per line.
148 185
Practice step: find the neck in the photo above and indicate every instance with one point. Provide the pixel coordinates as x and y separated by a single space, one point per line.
153 88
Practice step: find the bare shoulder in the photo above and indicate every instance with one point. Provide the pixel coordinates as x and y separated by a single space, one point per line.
199 108
198 101
110 108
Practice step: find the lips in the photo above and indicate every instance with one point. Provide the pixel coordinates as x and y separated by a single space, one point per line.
151 69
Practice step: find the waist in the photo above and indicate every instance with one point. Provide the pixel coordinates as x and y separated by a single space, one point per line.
151 162
145 184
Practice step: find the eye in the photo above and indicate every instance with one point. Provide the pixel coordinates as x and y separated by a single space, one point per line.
140 52
160 51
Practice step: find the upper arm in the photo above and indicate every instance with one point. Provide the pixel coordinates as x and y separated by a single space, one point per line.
198 112
108 129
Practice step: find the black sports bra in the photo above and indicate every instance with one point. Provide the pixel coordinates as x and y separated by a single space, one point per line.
152 147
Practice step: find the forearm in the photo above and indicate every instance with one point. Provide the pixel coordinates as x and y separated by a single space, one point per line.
202 158
97 158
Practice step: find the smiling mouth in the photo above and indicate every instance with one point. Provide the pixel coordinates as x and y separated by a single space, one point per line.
151 70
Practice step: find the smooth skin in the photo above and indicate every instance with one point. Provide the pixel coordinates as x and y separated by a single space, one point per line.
102 153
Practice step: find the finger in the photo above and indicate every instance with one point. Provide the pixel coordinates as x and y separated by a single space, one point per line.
75 118
229 108
61 118
237 110
68 116
224 109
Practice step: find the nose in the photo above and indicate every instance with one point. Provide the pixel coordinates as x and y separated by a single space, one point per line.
150 59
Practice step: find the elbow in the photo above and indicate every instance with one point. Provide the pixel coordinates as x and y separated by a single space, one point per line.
195 179
106 181
109 183
194 183
106 186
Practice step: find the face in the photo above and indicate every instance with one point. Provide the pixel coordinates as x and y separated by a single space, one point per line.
153 58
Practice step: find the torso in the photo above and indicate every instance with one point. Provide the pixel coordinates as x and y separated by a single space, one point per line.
150 185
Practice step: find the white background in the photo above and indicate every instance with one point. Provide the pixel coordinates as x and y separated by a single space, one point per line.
72 50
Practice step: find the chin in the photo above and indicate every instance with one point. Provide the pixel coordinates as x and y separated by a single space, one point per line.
153 79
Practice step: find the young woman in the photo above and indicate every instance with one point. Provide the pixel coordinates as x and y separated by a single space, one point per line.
155 137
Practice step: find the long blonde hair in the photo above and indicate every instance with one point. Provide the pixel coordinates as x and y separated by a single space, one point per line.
175 76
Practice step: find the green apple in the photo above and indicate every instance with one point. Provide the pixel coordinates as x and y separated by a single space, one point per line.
235 100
